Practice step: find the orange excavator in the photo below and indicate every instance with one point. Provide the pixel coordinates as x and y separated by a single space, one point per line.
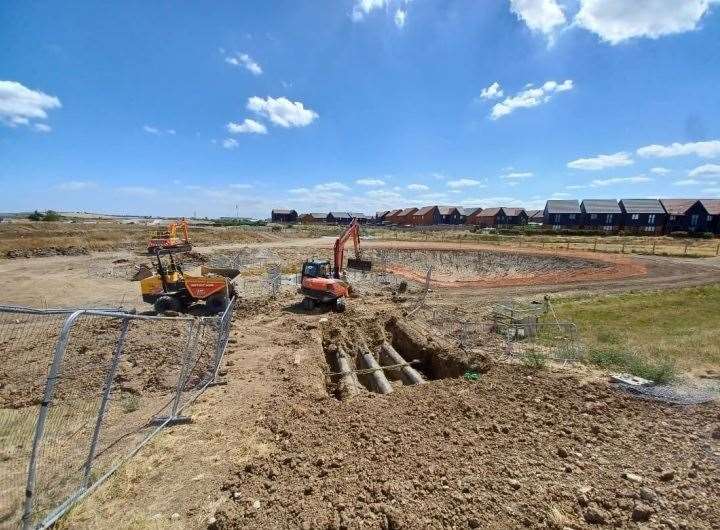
322 285
168 240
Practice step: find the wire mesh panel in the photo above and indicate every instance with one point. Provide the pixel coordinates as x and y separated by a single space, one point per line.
533 341
83 391
26 347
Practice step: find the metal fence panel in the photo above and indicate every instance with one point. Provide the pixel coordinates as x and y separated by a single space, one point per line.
81 392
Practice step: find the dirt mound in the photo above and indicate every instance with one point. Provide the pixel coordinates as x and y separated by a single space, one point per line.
517 448
46 251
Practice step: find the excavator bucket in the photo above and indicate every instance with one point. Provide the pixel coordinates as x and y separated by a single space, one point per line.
359 264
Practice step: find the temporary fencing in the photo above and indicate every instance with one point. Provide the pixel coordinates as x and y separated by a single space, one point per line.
83 390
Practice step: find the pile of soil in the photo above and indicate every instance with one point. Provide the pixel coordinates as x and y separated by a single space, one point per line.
46 251
516 448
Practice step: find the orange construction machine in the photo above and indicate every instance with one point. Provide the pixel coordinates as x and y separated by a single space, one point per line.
168 240
322 285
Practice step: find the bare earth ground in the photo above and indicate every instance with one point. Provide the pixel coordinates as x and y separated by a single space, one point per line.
517 448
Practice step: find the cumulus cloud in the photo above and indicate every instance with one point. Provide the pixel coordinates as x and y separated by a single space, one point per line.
493 91
530 97
363 7
539 15
373 183
281 111
706 170
230 143
241 186
599 183
20 105
76 185
709 149
659 170
602 162
418 187
245 61
615 21
400 16
248 126
331 186
464 183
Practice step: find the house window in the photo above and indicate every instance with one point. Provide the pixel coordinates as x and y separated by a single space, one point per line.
635 216
593 216
607 228
649 228
572 217
651 219
672 217
557 217
694 220
709 218
609 218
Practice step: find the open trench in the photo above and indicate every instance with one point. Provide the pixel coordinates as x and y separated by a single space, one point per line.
379 354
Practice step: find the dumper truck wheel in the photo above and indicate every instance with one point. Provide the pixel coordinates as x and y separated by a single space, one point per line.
216 303
167 303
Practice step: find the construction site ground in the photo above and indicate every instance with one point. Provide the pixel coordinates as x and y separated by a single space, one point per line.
517 447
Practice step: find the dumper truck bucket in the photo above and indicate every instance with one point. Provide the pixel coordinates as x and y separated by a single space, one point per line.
359 264
230 274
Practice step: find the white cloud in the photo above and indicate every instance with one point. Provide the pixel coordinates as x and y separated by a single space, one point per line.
331 186
709 149
577 187
560 195
244 60
686 182
76 185
539 15
400 16
493 91
248 126
464 183
659 170
370 182
518 175
712 170
364 7
19 105
230 143
530 97
620 159
383 194
136 190
418 187
157 131
615 21
241 186
42 127
281 111
599 183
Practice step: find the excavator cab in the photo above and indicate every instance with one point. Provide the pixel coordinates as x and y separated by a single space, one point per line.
316 269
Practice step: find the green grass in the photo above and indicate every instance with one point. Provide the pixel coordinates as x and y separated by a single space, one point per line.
649 333
534 359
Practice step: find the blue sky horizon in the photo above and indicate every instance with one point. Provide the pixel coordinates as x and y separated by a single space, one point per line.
355 105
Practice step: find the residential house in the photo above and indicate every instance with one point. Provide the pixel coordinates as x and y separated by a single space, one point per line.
685 215
405 216
392 216
380 216
642 215
712 206
535 216
341 218
601 214
515 216
489 218
313 218
425 216
562 214
283 216
361 217
449 215
467 213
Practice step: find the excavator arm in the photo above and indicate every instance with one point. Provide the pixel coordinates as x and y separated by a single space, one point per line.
352 231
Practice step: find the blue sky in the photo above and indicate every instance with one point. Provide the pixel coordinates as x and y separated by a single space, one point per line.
180 108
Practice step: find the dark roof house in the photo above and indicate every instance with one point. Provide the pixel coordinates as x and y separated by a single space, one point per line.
449 215
601 214
562 214
427 215
642 215
488 218
713 209
535 216
685 215
283 216
515 216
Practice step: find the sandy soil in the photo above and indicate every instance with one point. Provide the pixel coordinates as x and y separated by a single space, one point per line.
274 447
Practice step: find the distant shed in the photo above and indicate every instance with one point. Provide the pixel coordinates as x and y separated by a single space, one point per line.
283 216
489 218
425 216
